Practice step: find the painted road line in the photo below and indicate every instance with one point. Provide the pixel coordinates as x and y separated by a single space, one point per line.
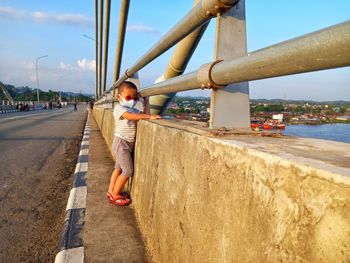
30 115
71 242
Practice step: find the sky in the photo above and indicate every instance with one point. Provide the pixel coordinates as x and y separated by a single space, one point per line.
33 28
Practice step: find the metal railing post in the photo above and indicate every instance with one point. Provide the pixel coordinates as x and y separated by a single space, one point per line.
106 41
200 14
124 10
229 106
100 49
177 65
96 48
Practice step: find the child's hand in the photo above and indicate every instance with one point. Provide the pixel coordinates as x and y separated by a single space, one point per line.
154 117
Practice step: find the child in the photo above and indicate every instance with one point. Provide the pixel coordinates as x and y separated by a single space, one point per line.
125 116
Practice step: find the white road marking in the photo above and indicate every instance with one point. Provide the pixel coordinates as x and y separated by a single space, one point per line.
85 143
84 152
75 255
81 167
77 198
36 114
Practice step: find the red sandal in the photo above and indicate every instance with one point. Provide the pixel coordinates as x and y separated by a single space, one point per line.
119 200
125 194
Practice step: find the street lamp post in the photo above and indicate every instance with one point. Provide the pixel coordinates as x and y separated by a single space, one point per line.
96 70
37 79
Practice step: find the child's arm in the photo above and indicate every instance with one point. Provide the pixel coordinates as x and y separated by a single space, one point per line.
139 116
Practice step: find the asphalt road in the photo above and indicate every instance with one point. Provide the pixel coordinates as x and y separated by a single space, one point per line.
38 153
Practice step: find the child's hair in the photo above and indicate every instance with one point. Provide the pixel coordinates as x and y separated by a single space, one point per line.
126 84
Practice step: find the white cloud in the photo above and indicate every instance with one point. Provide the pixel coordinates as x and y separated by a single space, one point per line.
143 28
48 76
70 19
65 18
86 64
66 66
28 65
10 13
41 17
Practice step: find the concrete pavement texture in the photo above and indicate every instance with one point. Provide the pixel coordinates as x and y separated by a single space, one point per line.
38 153
111 233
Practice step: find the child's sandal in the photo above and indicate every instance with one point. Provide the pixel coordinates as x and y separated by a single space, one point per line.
125 194
120 201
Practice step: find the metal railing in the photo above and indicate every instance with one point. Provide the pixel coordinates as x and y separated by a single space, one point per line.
324 49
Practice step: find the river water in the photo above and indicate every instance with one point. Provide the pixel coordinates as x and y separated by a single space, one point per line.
336 132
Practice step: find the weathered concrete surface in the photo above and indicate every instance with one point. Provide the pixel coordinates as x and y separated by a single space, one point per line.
111 233
242 198
105 121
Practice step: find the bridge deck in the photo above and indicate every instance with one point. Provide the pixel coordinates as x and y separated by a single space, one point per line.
38 153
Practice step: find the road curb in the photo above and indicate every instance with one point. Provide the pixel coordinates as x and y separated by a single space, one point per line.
71 242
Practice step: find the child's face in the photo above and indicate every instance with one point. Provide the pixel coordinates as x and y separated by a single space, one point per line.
128 94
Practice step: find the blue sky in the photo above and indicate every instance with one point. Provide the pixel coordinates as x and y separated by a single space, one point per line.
31 28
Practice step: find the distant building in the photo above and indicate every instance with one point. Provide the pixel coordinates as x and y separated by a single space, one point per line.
278 117
343 118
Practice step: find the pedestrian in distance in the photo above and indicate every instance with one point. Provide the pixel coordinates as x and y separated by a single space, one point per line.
125 116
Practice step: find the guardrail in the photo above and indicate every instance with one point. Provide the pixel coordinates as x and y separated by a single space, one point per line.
324 49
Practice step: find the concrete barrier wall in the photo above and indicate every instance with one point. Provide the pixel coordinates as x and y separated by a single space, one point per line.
105 121
202 199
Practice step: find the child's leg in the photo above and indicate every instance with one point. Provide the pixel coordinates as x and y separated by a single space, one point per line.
119 184
114 177
125 163
117 169
127 168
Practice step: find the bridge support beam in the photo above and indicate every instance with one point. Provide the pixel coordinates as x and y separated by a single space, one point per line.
229 106
96 50
124 11
177 65
106 42
100 49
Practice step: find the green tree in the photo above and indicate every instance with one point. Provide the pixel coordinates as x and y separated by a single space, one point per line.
342 110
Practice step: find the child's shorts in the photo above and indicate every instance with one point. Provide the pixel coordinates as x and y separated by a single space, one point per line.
123 154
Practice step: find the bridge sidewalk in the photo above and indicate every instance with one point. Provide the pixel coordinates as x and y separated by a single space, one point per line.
110 233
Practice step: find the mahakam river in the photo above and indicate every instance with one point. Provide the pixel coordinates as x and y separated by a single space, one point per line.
336 132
